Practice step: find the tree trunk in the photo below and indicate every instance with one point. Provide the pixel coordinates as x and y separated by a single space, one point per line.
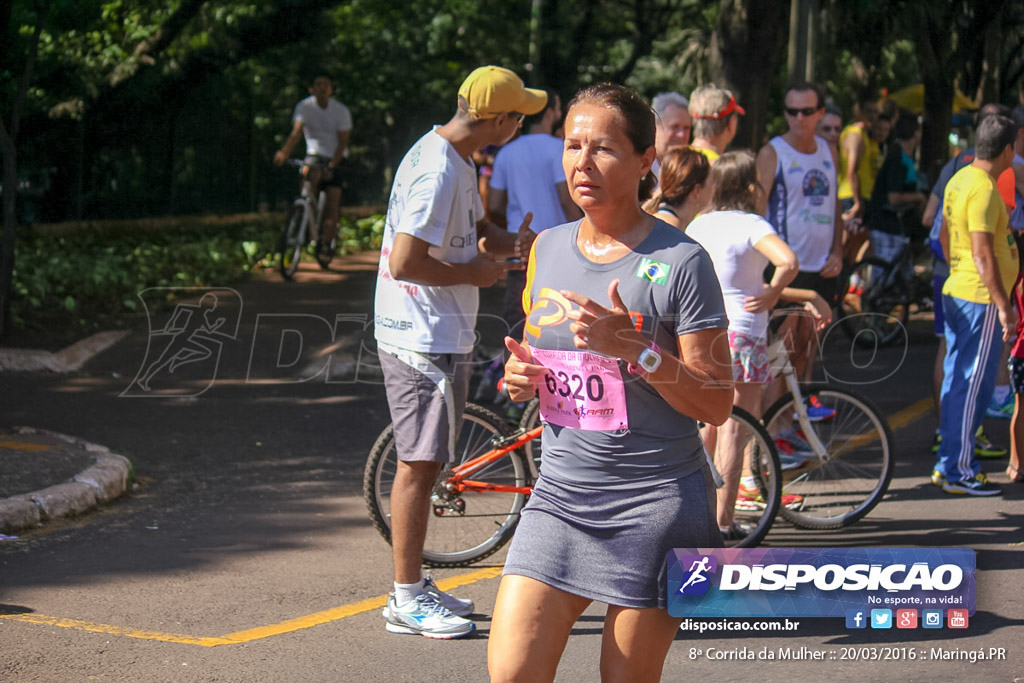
10 185
535 74
992 63
934 41
746 51
9 151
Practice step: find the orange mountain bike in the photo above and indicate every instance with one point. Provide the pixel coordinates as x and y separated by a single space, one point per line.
477 498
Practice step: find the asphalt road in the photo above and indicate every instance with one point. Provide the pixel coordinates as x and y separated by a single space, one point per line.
246 554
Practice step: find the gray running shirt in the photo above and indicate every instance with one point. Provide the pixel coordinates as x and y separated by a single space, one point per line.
669 286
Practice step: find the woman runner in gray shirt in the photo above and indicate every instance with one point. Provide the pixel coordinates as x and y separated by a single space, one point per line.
626 346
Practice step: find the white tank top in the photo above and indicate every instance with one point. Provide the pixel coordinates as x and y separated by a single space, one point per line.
802 202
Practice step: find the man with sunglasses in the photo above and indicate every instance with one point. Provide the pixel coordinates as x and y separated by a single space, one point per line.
437 250
797 173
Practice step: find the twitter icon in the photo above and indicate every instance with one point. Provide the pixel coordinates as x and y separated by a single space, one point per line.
881 618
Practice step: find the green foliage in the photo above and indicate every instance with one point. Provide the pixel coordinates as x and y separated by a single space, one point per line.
96 274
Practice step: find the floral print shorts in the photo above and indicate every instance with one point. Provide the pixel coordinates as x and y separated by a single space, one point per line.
749 358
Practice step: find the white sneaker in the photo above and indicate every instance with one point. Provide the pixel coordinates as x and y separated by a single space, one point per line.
425 616
457 606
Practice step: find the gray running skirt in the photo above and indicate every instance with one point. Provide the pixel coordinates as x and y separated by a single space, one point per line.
610 545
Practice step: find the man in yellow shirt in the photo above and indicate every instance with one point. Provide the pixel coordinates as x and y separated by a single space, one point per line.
715 115
975 299
857 152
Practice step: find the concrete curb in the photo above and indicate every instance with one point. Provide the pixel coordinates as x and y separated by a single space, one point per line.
102 482
69 359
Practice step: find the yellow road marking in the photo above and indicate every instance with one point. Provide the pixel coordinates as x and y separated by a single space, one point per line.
911 413
24 446
898 421
249 635
114 630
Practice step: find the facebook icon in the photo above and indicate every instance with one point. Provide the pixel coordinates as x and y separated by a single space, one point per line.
856 618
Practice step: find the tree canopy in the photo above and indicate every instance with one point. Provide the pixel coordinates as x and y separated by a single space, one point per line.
147 107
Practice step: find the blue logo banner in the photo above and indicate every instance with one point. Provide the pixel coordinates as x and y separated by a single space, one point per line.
818 582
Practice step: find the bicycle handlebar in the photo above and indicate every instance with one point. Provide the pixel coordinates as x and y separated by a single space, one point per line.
299 163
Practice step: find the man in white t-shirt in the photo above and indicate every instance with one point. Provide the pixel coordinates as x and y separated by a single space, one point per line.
437 250
326 124
528 180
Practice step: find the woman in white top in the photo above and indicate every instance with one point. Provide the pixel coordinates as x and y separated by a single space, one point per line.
683 187
741 244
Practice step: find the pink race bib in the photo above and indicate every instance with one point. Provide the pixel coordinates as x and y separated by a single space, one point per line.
582 390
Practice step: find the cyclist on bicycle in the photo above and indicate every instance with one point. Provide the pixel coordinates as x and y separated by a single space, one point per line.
326 124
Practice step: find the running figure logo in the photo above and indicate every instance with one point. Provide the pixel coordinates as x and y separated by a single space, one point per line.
194 335
697 567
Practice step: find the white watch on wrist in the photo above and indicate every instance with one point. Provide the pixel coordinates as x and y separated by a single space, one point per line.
648 361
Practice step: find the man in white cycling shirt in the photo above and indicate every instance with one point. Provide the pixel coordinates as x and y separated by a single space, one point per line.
326 124
437 249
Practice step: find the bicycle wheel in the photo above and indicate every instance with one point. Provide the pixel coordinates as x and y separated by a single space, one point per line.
325 255
856 472
531 449
292 240
466 527
875 306
756 509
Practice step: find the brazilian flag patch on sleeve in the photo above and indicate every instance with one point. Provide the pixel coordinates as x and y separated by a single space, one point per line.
655 271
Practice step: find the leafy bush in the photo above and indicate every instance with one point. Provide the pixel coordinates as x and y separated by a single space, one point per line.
86 278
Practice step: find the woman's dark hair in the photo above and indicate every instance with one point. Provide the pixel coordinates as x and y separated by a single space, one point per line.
734 177
636 114
682 170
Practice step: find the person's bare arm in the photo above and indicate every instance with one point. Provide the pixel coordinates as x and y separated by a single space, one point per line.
853 145
930 209
499 242
286 149
339 153
497 204
410 261
988 272
569 208
786 265
904 200
698 383
813 303
944 237
766 165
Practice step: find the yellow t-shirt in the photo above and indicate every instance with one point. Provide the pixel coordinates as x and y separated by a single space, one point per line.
711 154
870 162
972 203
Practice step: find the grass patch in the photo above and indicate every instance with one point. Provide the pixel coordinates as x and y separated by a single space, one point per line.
69 285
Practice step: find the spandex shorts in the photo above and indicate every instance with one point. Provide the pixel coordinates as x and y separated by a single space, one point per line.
827 287
1016 367
334 180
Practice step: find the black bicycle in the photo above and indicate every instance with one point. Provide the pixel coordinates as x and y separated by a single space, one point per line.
879 296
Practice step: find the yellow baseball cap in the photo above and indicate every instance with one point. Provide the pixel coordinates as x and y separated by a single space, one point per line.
492 90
